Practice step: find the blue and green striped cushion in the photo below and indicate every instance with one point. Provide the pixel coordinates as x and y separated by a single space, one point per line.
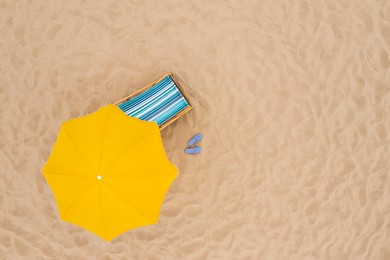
159 103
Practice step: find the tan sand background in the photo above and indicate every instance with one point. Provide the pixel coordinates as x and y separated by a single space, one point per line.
292 98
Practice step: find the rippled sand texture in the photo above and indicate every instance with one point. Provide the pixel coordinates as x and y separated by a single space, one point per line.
292 98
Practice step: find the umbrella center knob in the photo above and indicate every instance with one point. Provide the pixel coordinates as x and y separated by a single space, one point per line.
99 177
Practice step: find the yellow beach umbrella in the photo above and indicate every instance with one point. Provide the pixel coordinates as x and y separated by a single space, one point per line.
109 172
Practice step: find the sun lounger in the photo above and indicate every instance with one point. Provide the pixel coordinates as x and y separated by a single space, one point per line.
162 101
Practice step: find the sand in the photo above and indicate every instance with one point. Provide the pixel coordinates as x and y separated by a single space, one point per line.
292 98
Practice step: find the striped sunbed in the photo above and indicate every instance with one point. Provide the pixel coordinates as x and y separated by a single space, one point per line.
159 103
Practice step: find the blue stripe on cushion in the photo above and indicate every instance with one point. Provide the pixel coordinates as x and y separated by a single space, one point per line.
159 103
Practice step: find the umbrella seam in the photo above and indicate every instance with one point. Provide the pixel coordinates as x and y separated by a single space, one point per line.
101 143
134 177
70 175
77 150
74 203
101 211
116 193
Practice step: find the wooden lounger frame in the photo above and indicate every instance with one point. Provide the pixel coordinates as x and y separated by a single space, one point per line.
140 91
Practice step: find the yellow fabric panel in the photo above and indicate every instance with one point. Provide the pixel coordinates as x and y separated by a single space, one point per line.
148 159
86 134
65 159
68 189
86 212
118 215
143 193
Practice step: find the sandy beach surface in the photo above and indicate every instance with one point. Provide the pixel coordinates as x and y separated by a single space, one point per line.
292 97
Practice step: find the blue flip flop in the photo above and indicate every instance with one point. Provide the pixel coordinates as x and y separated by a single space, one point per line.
193 150
195 139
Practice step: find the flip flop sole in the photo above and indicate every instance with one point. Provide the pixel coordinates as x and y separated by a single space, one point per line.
196 138
193 150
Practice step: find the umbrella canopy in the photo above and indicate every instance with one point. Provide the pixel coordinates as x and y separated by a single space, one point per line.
109 172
